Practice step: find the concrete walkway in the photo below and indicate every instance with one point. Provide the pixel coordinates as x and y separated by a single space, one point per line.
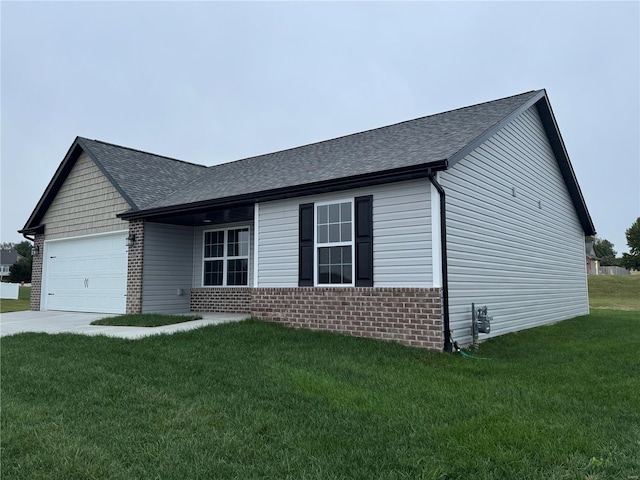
73 322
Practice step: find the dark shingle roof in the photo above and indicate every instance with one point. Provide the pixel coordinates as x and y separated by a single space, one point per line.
142 178
9 256
590 251
156 186
415 142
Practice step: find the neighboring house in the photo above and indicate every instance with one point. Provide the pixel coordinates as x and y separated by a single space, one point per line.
7 258
593 261
390 233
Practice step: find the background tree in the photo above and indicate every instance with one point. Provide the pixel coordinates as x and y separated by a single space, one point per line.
604 250
631 260
24 248
21 270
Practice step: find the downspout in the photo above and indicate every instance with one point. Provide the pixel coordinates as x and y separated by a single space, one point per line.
443 253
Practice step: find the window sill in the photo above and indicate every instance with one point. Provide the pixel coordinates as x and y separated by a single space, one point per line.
224 286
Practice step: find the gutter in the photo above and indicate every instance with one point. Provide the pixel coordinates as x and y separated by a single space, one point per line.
32 231
443 252
325 186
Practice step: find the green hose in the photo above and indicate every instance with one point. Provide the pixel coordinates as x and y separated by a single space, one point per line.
466 355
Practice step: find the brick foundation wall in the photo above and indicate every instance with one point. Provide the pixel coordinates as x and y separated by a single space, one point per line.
411 316
36 273
134 270
221 300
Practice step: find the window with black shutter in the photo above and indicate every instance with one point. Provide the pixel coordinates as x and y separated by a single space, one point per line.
305 254
364 241
336 243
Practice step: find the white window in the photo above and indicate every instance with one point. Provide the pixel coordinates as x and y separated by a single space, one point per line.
334 243
226 257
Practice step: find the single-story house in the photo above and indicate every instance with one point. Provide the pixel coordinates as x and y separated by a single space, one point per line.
390 233
8 256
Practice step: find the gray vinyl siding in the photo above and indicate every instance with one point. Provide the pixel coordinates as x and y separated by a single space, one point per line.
278 243
198 250
87 203
522 255
401 235
168 266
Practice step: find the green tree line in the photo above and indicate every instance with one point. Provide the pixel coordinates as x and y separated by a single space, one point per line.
21 270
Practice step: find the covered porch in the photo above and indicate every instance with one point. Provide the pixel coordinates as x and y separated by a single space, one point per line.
198 261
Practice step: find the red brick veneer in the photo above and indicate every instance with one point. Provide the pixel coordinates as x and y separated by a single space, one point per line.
134 270
36 273
221 300
411 316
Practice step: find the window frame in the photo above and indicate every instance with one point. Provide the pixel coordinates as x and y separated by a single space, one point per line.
317 245
226 257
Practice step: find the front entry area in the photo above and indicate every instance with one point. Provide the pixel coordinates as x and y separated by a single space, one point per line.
86 274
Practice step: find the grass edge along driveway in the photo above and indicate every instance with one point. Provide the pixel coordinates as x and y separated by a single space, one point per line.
256 400
146 320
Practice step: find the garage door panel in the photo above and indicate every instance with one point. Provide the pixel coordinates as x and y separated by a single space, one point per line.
87 274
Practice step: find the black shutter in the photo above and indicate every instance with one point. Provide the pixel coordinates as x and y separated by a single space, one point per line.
305 254
364 241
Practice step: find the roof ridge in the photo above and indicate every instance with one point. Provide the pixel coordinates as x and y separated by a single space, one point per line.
484 103
142 151
213 170
367 131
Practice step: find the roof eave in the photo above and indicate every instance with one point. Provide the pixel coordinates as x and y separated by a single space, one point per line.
38 229
358 181
557 145
59 177
52 188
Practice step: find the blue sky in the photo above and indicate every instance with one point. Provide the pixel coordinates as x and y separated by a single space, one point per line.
210 82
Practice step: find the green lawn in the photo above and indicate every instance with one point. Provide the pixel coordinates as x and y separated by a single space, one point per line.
618 292
256 400
145 320
24 294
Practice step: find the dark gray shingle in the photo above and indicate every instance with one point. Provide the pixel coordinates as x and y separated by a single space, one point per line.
143 177
9 256
415 142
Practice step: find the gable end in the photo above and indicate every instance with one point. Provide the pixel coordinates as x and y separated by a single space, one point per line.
560 152
86 204
541 102
34 223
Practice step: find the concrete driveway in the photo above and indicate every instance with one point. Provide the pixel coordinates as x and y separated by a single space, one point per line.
73 322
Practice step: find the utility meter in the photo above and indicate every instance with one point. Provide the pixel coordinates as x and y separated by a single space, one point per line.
480 321
483 320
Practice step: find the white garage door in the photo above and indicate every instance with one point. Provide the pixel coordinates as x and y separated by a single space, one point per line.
86 274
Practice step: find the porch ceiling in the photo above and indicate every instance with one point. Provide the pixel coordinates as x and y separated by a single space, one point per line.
215 216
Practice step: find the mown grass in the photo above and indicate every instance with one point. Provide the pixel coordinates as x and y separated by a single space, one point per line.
22 303
256 400
617 292
145 320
